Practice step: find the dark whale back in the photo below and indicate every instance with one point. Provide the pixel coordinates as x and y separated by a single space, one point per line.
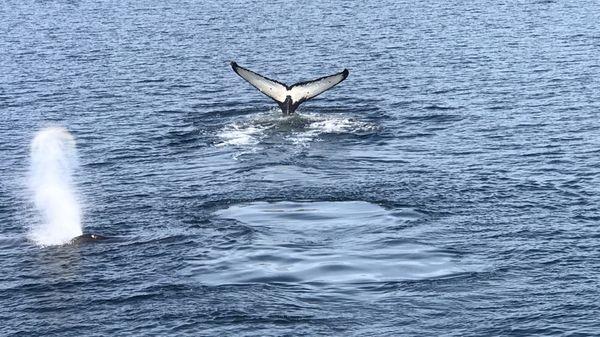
88 238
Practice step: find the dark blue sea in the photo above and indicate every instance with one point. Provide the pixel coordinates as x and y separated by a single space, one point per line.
450 186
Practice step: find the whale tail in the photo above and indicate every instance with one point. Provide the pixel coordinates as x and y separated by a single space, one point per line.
289 97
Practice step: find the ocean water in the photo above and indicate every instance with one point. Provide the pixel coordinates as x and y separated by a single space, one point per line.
450 186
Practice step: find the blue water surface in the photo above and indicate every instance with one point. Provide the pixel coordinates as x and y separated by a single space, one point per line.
449 187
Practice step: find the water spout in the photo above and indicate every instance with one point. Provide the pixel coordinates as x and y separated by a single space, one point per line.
53 159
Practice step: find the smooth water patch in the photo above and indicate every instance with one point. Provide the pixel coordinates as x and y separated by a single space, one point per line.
324 242
273 127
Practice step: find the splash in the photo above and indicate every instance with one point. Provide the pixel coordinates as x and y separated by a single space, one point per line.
299 129
53 159
238 134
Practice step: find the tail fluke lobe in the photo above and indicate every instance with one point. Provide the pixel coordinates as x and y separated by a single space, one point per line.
304 91
275 90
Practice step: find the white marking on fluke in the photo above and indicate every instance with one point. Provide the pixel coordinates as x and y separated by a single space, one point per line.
289 97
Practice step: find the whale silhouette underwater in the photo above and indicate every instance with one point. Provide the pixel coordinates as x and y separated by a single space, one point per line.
290 97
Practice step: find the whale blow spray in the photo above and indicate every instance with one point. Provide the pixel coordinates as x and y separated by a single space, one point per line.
53 159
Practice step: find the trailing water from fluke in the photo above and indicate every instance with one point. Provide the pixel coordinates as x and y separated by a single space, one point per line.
53 159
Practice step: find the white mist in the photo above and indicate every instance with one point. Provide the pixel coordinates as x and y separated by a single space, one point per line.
53 159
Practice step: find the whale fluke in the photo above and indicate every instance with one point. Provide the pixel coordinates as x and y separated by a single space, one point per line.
289 97
88 238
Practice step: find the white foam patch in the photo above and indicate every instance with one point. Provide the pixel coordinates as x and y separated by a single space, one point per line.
299 129
53 159
318 125
240 135
341 125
